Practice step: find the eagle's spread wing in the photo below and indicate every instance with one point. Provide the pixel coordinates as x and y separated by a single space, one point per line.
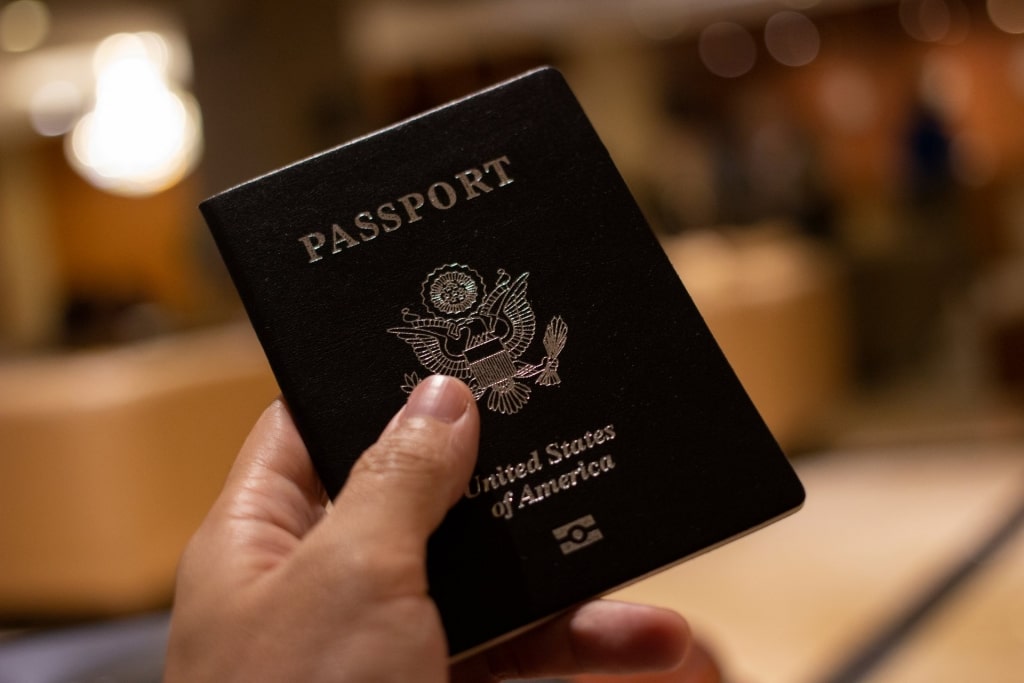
427 339
507 302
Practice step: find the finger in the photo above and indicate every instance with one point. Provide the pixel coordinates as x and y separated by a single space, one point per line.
603 636
270 500
401 487
272 479
698 666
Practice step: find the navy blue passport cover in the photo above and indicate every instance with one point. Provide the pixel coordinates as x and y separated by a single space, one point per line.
493 239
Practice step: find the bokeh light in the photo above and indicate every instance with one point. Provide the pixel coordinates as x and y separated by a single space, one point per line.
1007 15
147 47
727 49
54 107
141 136
791 38
24 24
933 21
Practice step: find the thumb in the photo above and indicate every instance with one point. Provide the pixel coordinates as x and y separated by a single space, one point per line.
401 487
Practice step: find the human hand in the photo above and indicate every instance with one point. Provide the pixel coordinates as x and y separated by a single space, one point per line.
274 586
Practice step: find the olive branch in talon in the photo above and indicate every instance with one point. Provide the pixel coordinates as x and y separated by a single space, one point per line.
554 341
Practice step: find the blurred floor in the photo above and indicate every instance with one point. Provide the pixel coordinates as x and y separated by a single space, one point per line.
126 650
882 526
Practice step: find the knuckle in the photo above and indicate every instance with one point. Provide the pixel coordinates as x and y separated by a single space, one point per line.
413 451
386 573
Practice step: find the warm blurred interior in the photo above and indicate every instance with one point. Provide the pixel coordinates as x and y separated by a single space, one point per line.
840 184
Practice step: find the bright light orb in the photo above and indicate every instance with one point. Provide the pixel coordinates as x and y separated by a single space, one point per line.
141 136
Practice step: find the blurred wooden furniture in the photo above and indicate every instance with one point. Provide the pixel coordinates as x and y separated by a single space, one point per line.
775 303
108 461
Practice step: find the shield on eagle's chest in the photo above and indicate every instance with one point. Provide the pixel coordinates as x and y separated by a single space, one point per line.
490 363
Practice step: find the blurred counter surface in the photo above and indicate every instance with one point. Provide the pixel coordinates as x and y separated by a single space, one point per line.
109 458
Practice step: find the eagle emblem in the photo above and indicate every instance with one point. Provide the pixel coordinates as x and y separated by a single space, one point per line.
478 335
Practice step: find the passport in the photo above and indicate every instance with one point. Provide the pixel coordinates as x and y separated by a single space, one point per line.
493 239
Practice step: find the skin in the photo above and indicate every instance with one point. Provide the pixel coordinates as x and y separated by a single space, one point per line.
277 586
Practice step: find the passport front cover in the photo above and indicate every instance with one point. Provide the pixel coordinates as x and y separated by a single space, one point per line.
493 239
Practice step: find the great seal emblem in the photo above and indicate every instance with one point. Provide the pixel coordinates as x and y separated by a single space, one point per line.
479 335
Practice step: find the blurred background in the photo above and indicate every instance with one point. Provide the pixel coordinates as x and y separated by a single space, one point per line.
840 184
